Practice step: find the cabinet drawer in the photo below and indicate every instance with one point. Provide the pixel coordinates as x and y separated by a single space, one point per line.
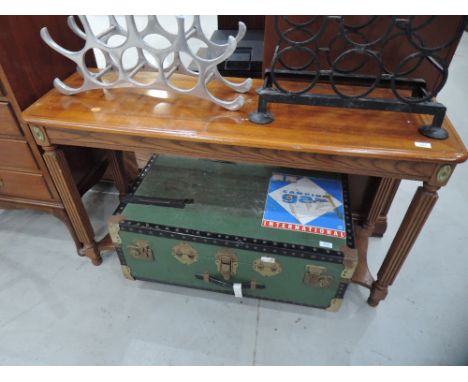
8 123
16 154
31 186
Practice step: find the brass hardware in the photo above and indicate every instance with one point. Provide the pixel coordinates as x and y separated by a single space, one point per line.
114 234
266 268
140 250
253 284
206 277
185 253
38 134
114 228
126 272
444 173
226 263
335 304
350 261
314 276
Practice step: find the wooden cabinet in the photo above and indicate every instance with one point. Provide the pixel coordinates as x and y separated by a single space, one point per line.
16 154
27 69
24 179
24 185
21 176
9 125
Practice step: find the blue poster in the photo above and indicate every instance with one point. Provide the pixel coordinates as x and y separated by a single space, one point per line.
305 203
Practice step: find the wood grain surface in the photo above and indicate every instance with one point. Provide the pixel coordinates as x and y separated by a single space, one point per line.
23 185
302 129
8 124
310 161
29 63
16 154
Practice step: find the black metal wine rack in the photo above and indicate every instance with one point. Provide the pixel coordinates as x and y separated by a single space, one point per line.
409 92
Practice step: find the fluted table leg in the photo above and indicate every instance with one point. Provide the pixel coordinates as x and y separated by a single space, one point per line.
385 190
63 180
124 170
417 214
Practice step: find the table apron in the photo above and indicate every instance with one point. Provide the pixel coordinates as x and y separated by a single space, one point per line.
400 169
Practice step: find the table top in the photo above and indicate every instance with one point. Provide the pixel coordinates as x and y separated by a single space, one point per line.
312 129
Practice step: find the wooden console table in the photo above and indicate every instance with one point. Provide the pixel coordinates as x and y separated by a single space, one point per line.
364 142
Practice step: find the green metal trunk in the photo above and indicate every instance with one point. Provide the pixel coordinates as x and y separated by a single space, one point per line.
201 224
